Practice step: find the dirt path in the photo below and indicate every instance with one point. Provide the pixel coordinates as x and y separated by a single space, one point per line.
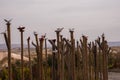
113 76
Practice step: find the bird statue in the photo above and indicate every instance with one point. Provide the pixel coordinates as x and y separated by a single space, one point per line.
59 29
21 28
34 33
72 29
8 21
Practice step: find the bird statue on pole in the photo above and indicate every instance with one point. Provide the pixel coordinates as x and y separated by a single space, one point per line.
72 29
59 29
8 21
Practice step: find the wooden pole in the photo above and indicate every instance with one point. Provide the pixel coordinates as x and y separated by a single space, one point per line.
30 64
78 61
46 59
9 49
94 49
62 58
90 61
41 58
100 59
46 49
73 54
105 50
58 53
105 70
38 57
54 48
85 57
68 58
21 29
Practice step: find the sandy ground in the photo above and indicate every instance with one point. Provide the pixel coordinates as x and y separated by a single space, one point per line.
113 76
13 55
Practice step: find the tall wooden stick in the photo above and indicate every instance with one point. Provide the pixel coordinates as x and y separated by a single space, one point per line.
85 57
46 48
62 58
78 65
53 58
100 59
38 53
73 54
58 54
105 50
46 59
105 70
68 58
94 49
41 58
30 65
9 49
21 29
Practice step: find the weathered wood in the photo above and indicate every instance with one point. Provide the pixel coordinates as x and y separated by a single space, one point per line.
8 42
58 52
73 55
105 50
21 29
46 59
53 59
62 58
30 64
41 57
85 57
38 58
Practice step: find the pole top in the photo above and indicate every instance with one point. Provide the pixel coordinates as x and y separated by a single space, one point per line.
84 37
8 21
42 37
59 30
71 30
35 33
28 38
21 28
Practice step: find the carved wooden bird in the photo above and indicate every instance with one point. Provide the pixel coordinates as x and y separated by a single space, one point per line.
8 21
59 29
21 27
72 29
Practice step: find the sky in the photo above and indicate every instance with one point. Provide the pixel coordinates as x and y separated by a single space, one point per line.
87 17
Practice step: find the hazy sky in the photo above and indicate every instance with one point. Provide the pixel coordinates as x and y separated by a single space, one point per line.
88 17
